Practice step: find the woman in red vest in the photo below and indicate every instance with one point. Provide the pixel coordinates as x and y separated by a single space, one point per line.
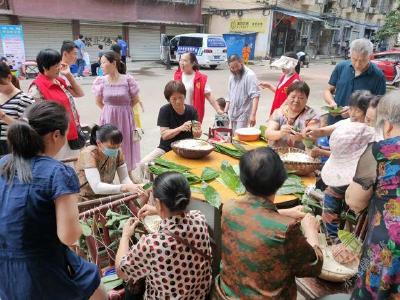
288 64
197 88
49 86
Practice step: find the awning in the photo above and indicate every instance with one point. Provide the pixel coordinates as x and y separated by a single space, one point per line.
299 15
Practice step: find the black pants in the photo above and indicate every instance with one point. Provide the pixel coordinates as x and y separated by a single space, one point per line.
123 59
94 67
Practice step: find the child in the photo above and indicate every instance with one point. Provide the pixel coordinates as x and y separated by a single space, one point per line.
348 140
246 53
221 120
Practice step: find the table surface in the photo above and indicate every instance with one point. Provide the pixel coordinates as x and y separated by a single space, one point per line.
214 160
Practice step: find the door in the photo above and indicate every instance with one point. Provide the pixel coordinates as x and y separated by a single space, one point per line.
40 35
99 34
144 43
173 48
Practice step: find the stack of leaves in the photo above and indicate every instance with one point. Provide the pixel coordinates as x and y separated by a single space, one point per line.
350 240
111 282
263 129
292 186
310 204
230 179
236 152
163 165
333 110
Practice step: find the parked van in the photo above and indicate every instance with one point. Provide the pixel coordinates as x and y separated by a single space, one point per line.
210 49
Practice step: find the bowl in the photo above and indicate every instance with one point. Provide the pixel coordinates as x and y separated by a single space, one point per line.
248 134
192 148
297 167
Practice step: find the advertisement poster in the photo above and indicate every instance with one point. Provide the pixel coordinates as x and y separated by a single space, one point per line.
248 25
12 39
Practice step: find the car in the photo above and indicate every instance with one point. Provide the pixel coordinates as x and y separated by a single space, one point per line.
210 49
387 61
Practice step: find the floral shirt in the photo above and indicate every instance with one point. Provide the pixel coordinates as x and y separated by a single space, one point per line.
306 118
379 270
263 252
173 270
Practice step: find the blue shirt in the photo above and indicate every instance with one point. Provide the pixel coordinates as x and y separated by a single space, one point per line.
344 79
81 46
123 46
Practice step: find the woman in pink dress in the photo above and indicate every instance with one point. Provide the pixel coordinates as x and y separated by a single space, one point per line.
116 94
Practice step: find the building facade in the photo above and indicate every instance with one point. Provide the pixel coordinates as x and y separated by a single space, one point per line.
47 23
317 27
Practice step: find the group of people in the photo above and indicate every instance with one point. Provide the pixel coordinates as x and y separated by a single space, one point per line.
263 248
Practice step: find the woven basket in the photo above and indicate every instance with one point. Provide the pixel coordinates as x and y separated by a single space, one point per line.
299 168
336 276
191 153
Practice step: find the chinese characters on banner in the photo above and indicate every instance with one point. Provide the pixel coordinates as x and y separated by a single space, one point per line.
12 39
248 25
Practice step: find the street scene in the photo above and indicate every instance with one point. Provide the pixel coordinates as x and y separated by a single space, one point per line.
199 149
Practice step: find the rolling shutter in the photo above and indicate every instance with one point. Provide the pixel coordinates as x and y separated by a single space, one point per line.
144 43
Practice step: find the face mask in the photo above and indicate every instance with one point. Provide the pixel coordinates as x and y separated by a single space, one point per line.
110 152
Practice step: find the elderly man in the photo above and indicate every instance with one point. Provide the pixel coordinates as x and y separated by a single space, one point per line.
352 75
243 94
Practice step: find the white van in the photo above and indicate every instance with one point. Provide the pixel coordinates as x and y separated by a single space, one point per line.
210 49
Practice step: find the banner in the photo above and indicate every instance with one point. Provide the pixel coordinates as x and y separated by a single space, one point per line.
248 25
12 39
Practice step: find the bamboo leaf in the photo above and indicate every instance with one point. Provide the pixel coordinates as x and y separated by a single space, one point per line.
235 153
211 195
196 189
292 185
110 282
231 179
209 174
350 240
148 186
170 165
86 230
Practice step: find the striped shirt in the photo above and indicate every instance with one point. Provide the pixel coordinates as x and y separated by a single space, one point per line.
14 108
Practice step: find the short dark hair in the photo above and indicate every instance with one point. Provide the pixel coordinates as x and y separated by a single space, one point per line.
262 171
101 47
174 86
67 46
233 58
221 102
361 100
81 36
47 58
106 133
173 190
119 37
299 86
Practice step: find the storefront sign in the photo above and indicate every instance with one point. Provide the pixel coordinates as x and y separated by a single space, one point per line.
248 25
12 39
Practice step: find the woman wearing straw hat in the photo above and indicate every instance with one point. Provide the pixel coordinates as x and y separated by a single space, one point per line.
288 64
376 186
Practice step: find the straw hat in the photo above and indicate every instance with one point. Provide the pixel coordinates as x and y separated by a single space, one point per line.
285 62
348 142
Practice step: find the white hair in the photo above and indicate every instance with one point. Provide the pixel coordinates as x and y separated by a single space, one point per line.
389 110
362 46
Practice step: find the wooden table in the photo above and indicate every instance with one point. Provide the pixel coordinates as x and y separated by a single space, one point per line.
214 161
213 215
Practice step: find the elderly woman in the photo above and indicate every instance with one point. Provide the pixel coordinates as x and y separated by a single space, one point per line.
262 250
288 124
49 86
287 63
376 186
175 260
197 88
101 161
358 73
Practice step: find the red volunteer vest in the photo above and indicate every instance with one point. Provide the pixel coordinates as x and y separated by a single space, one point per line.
280 94
199 85
52 92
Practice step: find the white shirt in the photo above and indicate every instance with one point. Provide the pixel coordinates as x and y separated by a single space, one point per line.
188 81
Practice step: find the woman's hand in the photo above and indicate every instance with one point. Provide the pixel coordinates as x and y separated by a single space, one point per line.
310 227
343 254
264 85
147 210
313 133
129 227
65 70
133 188
314 152
286 130
345 112
296 212
187 126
